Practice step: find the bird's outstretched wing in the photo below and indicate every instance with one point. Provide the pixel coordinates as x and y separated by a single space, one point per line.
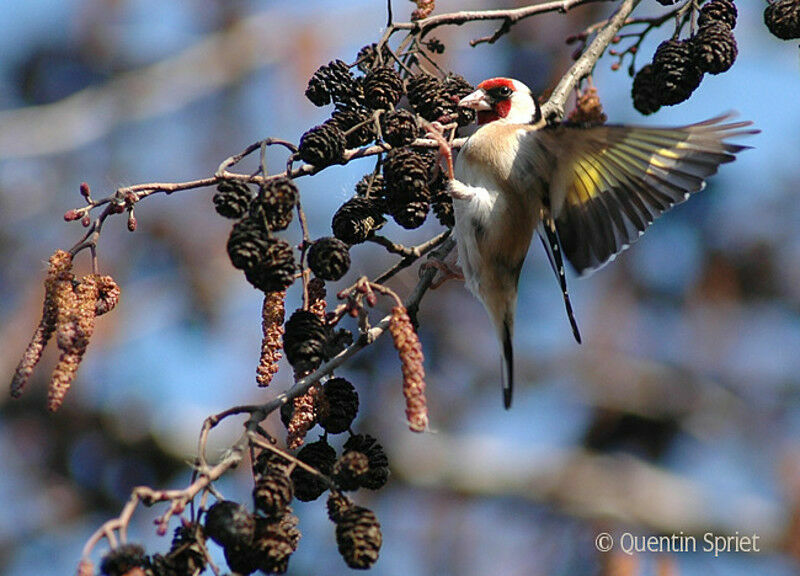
611 182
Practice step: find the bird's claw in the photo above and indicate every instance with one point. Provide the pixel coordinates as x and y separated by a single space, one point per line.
435 131
446 271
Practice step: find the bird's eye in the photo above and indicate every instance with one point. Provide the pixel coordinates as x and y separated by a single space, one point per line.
504 91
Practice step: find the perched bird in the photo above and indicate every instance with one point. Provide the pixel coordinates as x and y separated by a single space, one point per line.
589 191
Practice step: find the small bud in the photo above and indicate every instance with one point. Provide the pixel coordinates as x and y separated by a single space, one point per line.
85 191
615 66
131 221
86 221
633 49
71 215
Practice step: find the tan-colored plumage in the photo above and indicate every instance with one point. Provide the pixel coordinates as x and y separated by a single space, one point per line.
591 192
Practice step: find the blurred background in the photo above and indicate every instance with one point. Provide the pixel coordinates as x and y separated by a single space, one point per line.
680 413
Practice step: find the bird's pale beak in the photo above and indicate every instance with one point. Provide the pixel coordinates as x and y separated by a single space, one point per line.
476 101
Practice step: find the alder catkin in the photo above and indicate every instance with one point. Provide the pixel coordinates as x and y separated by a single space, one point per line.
407 343
273 313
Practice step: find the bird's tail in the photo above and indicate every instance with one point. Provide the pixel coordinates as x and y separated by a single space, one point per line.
508 362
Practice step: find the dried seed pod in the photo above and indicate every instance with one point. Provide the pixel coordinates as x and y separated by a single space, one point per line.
357 219
358 536
272 317
714 48
276 271
304 341
718 12
399 128
782 17
247 244
371 186
377 472
646 97
232 199
241 558
288 524
442 202
272 492
186 555
367 57
319 455
332 82
677 75
268 461
229 524
302 419
383 88
322 146
122 559
408 346
356 122
425 96
453 89
275 203
348 470
329 258
337 406
337 504
406 174
58 274
272 546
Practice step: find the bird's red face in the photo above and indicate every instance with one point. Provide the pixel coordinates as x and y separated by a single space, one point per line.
502 99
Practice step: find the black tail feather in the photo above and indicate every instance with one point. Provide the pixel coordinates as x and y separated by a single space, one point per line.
508 365
553 249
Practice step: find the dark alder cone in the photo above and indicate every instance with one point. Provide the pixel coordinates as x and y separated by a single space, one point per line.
356 220
329 258
231 199
410 215
288 524
275 203
304 341
359 538
406 173
714 48
677 76
425 97
247 244
367 57
338 405
442 202
667 2
399 128
241 558
454 88
783 19
320 455
332 82
276 270
121 559
322 145
348 117
718 11
337 504
268 461
229 524
272 492
371 185
378 472
272 547
383 88
348 470
646 98
186 554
